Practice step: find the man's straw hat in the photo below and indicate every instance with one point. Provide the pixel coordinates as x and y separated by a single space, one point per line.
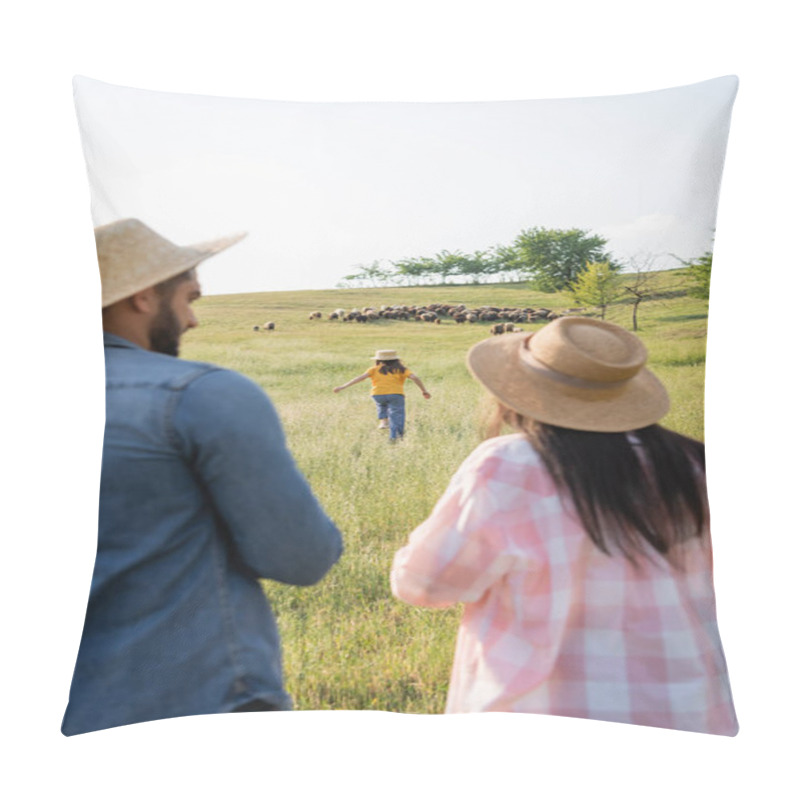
133 257
385 355
576 372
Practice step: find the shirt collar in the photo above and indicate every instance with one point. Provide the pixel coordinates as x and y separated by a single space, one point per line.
112 340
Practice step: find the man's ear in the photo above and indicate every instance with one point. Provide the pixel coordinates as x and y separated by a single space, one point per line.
144 302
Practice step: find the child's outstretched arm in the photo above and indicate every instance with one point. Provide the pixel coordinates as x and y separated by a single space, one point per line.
350 383
425 393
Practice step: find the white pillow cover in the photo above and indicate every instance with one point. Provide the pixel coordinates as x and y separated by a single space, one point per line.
321 187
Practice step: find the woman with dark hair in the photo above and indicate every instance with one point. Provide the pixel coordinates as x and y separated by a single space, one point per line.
388 377
579 544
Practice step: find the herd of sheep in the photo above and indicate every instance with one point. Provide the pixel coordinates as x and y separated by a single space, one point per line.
505 320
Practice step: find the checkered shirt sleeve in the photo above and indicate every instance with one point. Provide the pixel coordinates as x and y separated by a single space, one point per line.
552 625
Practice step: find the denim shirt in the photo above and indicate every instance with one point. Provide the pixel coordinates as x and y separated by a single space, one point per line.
199 498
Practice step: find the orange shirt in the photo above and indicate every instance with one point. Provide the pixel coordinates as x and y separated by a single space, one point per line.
390 383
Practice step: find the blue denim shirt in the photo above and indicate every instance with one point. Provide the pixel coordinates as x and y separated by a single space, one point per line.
199 498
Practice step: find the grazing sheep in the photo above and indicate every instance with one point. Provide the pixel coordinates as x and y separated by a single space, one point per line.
509 317
256 328
269 326
498 328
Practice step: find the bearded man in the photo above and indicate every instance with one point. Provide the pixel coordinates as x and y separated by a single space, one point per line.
199 500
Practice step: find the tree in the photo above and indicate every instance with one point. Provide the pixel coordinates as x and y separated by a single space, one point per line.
479 265
597 285
448 263
640 285
553 259
506 260
414 269
699 276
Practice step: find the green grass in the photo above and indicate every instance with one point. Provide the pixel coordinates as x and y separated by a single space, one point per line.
347 643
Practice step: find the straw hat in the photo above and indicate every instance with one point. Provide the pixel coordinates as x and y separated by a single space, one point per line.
576 372
133 257
385 355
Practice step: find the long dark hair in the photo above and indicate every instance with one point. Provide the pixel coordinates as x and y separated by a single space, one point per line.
391 365
630 490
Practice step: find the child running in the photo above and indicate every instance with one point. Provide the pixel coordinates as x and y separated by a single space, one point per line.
388 377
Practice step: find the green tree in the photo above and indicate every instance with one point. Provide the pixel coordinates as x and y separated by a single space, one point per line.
553 259
447 263
415 270
506 260
597 285
474 266
480 264
699 276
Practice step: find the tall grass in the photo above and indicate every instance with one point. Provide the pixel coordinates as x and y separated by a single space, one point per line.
347 643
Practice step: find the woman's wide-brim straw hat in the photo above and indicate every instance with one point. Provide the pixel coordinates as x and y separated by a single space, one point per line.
133 257
385 355
576 372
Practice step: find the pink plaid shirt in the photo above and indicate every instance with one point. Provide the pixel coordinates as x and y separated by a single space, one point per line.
551 624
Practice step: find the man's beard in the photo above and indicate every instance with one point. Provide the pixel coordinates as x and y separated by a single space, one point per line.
165 330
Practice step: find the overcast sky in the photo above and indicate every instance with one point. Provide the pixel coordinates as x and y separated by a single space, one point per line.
322 188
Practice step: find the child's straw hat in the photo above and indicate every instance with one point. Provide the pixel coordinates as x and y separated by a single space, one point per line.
576 372
133 257
385 355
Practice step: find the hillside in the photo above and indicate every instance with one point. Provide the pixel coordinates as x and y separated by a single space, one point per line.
347 643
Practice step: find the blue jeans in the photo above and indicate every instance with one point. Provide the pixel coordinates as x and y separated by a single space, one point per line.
393 408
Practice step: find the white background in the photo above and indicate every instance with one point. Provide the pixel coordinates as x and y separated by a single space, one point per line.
431 51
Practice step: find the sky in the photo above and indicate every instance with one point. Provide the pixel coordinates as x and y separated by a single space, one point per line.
325 188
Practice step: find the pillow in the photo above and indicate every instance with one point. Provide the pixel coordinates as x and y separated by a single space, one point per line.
416 228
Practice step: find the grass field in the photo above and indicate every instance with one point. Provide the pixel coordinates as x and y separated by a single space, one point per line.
347 643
